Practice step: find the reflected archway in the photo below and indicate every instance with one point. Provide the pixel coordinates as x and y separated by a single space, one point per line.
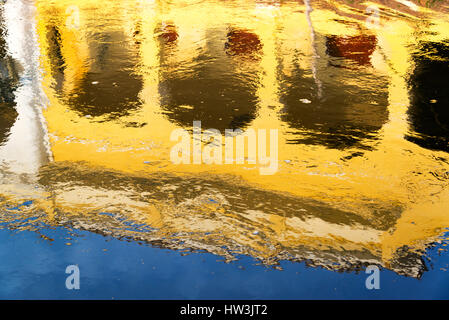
214 87
346 114
428 113
106 84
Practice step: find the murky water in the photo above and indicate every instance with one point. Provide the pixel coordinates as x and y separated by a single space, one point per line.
92 90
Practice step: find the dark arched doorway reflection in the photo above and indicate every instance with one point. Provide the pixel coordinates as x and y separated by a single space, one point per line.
107 85
344 104
428 113
218 86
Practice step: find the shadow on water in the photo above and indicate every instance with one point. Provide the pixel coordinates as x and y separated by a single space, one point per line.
429 96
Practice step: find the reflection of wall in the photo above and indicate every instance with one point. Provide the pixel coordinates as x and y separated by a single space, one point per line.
429 96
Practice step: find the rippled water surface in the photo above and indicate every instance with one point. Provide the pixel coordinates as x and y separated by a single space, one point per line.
90 92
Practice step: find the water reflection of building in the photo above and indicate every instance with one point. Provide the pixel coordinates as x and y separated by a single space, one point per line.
429 96
315 208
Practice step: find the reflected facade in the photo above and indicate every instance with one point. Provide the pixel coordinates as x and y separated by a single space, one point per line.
360 113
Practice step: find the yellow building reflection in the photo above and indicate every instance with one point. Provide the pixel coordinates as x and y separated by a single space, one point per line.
121 76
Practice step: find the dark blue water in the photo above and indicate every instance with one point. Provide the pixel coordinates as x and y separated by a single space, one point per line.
34 268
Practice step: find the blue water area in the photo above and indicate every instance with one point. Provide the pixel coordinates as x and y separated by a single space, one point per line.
32 267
